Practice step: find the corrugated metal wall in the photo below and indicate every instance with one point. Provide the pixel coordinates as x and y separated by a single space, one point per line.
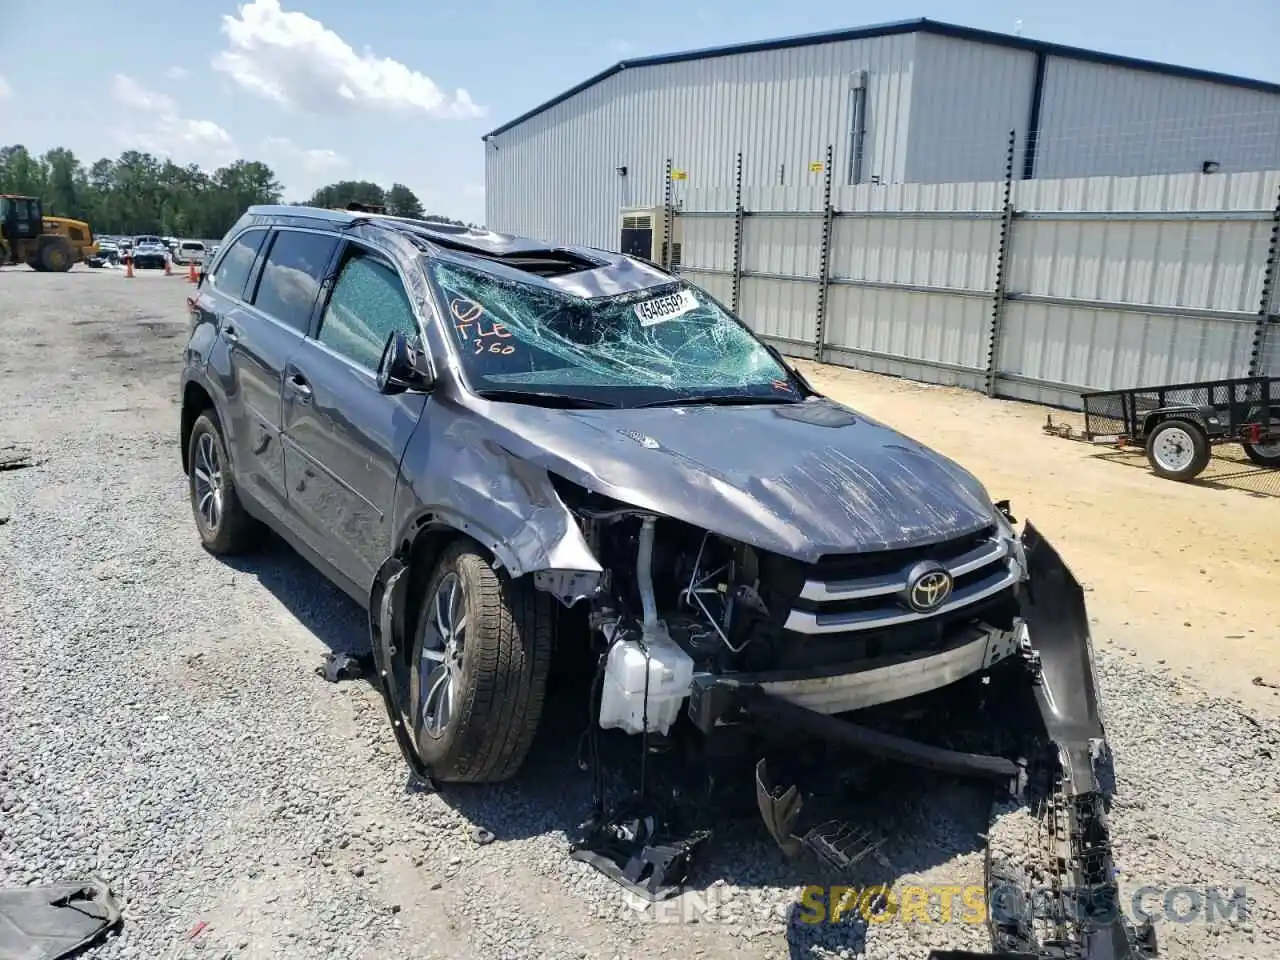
938 109
1122 281
555 176
966 97
1108 282
1103 120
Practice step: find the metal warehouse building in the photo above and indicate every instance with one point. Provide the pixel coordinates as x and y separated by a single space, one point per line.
911 102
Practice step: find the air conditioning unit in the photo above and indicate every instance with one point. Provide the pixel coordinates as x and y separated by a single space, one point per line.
641 235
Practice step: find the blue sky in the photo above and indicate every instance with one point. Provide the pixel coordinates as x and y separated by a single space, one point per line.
402 90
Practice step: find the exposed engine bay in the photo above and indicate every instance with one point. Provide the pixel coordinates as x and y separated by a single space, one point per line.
706 607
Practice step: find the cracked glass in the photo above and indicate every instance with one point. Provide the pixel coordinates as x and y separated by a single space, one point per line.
658 345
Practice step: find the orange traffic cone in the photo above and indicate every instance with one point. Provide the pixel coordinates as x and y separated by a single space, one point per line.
128 267
192 277
168 266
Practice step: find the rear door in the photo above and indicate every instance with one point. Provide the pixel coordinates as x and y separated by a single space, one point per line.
219 303
263 332
343 439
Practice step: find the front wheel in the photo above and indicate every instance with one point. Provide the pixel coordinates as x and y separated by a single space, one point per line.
481 654
225 527
1178 449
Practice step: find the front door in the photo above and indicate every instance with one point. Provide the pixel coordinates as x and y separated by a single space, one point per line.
343 439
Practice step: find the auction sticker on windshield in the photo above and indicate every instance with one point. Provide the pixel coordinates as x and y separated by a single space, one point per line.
662 309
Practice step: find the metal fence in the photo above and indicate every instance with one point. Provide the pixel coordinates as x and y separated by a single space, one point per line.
1032 289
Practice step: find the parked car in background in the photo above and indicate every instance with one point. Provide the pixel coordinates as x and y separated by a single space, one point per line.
190 251
150 254
107 253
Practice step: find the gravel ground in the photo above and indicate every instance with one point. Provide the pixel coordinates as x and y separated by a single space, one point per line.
164 727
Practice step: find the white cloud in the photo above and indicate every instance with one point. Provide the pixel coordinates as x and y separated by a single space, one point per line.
176 73
158 126
6 91
298 62
133 94
311 160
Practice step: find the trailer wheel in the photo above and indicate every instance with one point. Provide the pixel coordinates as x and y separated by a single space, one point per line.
1267 453
1264 454
1178 449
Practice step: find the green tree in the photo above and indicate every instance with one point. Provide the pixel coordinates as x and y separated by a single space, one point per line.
138 192
336 196
403 202
399 201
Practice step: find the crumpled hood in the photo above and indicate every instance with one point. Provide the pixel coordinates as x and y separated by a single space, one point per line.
801 480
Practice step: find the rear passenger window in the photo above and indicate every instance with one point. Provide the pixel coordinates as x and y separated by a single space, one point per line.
233 269
368 303
291 276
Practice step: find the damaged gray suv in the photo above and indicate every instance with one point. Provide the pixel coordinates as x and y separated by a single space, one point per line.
493 444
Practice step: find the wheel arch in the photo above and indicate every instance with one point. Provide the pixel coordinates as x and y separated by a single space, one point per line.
1156 417
421 547
196 399
395 601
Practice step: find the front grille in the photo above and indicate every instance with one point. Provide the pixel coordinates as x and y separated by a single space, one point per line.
863 592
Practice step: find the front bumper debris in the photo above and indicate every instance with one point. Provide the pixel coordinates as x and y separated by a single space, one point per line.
1057 651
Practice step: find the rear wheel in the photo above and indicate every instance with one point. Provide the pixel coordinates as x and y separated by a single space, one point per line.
55 256
1178 449
481 653
1264 454
225 527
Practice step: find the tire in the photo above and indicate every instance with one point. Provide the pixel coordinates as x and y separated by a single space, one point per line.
494 677
1178 449
1264 454
224 526
55 256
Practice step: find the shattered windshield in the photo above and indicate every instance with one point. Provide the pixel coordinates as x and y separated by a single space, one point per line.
659 345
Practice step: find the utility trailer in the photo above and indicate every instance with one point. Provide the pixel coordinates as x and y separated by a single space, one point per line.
1179 424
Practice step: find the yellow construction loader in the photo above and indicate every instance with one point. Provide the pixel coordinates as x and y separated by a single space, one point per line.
47 244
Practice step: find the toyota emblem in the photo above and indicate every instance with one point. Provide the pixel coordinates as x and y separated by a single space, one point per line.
928 587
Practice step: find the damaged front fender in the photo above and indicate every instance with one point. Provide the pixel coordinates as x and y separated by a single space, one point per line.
459 476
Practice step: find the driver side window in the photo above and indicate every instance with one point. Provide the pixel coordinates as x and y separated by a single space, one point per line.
368 303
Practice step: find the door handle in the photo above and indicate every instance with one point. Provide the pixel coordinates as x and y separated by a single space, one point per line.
231 333
298 384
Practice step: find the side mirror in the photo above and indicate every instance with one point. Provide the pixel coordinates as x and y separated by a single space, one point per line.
403 367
